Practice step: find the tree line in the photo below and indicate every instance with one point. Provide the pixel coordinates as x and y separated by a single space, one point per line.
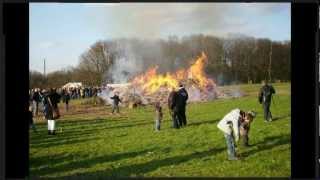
239 59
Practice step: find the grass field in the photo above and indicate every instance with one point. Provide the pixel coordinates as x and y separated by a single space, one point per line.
91 142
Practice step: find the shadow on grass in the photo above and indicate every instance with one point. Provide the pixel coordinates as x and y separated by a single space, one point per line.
268 143
141 169
83 163
64 142
281 117
43 161
203 122
78 132
62 136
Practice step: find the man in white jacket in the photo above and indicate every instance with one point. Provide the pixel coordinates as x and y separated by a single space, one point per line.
230 126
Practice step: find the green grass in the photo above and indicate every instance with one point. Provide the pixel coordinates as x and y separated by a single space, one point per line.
95 143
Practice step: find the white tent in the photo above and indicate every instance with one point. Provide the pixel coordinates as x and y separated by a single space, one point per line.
72 85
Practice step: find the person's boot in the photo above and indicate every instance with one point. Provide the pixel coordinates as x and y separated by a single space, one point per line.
49 132
54 132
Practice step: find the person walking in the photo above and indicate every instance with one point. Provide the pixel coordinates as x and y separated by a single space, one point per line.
265 97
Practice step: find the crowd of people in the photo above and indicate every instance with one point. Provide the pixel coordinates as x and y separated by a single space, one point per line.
66 94
47 100
235 125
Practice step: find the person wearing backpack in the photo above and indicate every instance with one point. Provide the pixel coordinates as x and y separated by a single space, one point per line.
265 96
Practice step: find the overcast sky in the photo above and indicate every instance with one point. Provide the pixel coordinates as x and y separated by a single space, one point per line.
60 32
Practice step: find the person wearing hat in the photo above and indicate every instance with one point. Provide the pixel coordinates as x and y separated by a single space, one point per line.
181 103
245 127
230 126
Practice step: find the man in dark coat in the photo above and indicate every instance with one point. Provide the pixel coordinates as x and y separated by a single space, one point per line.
115 103
265 97
180 105
55 99
171 105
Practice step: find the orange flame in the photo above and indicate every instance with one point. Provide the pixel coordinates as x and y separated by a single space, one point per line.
151 82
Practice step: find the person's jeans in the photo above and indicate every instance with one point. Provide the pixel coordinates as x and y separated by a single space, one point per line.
267 113
35 108
157 125
67 107
244 135
230 145
181 116
175 120
115 108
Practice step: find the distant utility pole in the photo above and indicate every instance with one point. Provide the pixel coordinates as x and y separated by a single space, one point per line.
44 67
270 61
44 72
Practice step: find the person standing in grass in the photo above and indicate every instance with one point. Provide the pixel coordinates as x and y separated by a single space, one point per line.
66 99
265 97
115 103
158 116
171 106
181 104
48 111
35 101
55 99
230 125
30 117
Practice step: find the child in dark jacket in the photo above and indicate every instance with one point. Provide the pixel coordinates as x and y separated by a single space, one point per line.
115 103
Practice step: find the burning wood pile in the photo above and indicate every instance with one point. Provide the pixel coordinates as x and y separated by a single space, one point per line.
152 87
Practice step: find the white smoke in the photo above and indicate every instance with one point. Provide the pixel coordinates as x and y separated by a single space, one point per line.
105 94
126 64
194 94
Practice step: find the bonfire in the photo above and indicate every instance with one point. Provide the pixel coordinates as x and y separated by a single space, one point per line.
151 86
